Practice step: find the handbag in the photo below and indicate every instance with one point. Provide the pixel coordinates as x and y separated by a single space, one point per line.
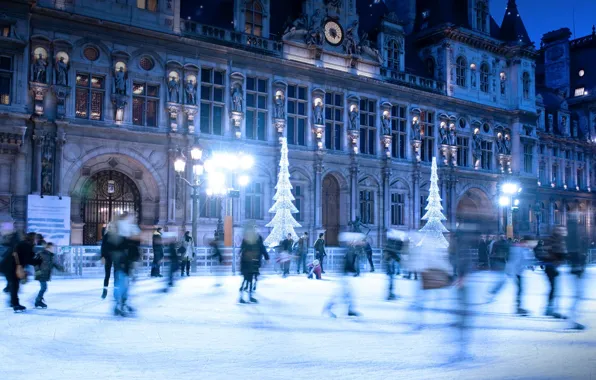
435 279
20 272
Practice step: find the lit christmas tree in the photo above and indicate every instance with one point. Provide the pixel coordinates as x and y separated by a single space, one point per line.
433 229
283 222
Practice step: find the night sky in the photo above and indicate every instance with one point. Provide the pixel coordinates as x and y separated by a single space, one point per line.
541 16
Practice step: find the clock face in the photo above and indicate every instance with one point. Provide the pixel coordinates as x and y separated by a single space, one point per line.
333 33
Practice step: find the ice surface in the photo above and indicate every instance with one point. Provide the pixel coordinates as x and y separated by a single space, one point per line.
197 331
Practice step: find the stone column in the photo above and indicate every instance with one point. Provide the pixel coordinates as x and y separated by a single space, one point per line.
171 188
386 194
551 213
353 188
516 147
416 195
60 141
452 195
588 172
38 140
318 191
563 212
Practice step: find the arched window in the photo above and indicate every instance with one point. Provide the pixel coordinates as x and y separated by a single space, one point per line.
481 16
430 67
461 71
253 16
393 55
526 84
484 78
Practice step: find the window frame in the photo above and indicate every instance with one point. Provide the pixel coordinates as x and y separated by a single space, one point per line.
481 16
210 102
463 151
145 5
90 90
253 196
210 207
334 127
399 131
366 209
427 148
484 78
9 75
526 85
486 147
147 99
295 118
398 208
528 158
250 25
393 55
257 111
461 71
368 127
298 193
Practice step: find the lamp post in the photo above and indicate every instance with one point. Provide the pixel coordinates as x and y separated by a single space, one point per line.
509 190
196 153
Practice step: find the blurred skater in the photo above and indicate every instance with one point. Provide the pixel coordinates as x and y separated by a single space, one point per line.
43 272
369 255
396 245
157 253
286 246
577 255
187 252
217 255
354 242
108 245
251 250
10 239
554 252
314 270
124 256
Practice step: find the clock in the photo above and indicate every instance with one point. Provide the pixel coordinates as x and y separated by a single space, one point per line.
334 34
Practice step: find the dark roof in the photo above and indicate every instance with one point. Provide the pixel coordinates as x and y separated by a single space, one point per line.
513 29
495 29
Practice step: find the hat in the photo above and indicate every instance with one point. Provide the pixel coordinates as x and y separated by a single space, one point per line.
315 263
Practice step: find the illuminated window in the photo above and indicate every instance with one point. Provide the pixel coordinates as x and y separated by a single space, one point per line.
5 79
254 19
368 130
580 91
212 101
150 5
461 71
145 103
297 103
89 98
256 108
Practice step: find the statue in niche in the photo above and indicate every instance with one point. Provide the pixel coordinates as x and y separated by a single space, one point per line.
279 111
174 90
417 136
318 114
191 92
39 69
500 144
120 81
443 135
386 120
477 146
354 118
507 145
237 99
550 123
574 128
563 128
452 137
61 72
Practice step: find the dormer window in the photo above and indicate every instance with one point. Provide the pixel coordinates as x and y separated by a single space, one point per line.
149 5
482 16
253 18
580 91
393 55
526 82
4 30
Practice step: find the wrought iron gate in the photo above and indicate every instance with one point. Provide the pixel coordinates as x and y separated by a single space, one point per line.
106 194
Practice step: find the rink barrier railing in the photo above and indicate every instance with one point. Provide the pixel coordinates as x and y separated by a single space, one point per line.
85 261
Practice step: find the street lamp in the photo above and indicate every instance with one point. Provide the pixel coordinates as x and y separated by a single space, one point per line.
509 190
196 153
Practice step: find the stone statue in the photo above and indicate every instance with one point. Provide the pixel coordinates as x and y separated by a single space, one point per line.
574 129
318 114
39 69
351 41
563 128
279 111
174 90
369 50
452 137
61 72
417 135
443 134
386 120
500 145
120 81
237 99
550 123
477 146
190 90
316 33
502 86
507 145
354 119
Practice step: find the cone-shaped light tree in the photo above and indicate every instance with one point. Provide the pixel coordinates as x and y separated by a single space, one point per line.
433 229
283 222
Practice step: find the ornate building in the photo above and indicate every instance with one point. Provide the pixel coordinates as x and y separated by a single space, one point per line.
98 97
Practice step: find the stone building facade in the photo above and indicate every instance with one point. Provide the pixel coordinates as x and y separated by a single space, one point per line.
97 98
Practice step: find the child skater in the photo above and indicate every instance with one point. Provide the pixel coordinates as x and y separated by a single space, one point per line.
314 270
43 272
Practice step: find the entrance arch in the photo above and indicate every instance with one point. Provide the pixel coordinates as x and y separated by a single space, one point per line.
331 209
106 194
474 206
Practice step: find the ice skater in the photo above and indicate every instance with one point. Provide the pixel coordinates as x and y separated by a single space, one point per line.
43 272
108 245
251 251
396 245
314 270
186 251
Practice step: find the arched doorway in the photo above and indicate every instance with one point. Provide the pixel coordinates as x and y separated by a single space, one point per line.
106 194
475 207
331 209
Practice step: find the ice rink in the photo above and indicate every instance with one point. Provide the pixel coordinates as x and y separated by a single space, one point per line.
198 331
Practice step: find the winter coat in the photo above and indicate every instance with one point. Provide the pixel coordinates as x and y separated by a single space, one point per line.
555 250
286 245
188 245
250 256
215 251
157 247
351 259
24 251
516 264
43 272
483 251
320 248
303 245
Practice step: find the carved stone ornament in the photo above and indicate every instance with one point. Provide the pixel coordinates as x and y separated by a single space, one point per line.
38 91
60 92
190 112
174 109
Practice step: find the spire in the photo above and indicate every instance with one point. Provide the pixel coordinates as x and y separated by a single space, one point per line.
513 29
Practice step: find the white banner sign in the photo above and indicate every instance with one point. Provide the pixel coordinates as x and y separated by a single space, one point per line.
50 217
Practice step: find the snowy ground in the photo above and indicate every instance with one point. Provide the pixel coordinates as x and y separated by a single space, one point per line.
198 331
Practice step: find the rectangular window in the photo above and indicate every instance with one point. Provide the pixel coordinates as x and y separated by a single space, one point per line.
145 103
463 151
422 209
398 132
580 178
398 206
210 207
256 108
334 120
4 30
298 202
580 91
5 79
555 173
528 166
427 127
253 201
150 5
487 155
367 206
542 173
297 108
89 96
212 101
568 178
368 129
